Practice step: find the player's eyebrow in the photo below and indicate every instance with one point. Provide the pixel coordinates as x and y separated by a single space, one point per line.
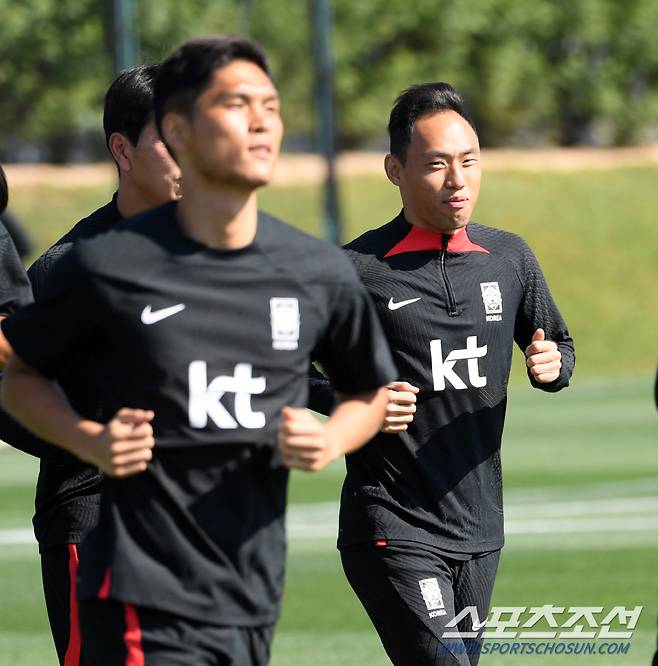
441 155
247 97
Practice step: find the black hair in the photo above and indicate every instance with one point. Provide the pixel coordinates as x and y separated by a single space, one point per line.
187 72
4 191
129 102
416 101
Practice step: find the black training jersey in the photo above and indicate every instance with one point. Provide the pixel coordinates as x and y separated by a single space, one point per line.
216 342
15 291
451 314
68 491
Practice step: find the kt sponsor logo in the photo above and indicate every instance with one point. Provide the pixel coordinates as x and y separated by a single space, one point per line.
206 398
443 369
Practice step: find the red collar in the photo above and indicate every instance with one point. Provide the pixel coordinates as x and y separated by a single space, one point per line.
423 240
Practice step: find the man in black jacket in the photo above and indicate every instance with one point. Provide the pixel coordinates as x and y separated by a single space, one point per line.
421 520
68 490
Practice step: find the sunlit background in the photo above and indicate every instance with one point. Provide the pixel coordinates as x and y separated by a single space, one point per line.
565 97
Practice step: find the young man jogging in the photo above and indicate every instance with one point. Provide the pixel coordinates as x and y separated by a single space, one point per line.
201 317
68 490
421 520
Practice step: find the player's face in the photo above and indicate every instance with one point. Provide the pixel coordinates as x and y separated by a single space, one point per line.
235 133
440 180
155 173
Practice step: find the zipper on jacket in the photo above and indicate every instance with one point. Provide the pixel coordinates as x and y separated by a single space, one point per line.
452 303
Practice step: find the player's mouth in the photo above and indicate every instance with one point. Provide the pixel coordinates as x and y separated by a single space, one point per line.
261 151
457 202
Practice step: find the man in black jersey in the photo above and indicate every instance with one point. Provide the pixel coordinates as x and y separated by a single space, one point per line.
15 289
421 520
200 317
68 490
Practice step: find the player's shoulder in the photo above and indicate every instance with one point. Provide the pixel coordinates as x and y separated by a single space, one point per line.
311 258
100 221
372 246
377 242
506 245
7 246
279 234
132 243
498 241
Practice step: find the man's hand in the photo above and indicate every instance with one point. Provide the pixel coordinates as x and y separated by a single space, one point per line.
304 442
401 407
543 358
123 446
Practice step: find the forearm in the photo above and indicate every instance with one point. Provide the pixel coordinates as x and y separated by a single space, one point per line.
39 404
356 419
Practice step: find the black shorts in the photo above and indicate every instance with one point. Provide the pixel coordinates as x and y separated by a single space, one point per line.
118 634
411 593
59 567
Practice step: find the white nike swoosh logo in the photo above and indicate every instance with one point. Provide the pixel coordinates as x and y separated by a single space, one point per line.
153 316
401 304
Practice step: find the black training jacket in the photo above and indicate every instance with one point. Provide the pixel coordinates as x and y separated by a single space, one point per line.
451 308
68 490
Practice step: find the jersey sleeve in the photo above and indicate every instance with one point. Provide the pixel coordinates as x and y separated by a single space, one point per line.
19 437
538 310
47 334
40 269
15 290
321 397
353 350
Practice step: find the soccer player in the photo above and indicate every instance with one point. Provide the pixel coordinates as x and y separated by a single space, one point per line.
421 519
200 317
15 291
68 490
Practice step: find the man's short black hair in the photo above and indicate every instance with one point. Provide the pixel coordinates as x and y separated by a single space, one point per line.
4 191
129 102
187 72
416 101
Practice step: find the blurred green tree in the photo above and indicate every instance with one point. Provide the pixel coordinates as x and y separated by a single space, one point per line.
53 66
547 71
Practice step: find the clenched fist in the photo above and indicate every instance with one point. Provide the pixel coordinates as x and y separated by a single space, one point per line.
401 407
543 358
124 445
303 441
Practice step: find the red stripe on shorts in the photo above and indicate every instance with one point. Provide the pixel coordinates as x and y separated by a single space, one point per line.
133 637
104 592
72 656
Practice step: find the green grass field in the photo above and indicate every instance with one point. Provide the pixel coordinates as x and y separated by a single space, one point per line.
581 467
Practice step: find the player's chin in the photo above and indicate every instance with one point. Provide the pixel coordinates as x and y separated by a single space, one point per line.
257 178
456 220
461 219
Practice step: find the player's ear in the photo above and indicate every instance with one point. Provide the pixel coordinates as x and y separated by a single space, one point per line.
392 167
175 132
122 150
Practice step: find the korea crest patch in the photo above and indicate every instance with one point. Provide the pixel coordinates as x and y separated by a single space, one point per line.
493 300
285 320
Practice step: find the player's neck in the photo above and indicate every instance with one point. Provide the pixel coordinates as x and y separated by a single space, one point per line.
130 201
432 224
227 222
